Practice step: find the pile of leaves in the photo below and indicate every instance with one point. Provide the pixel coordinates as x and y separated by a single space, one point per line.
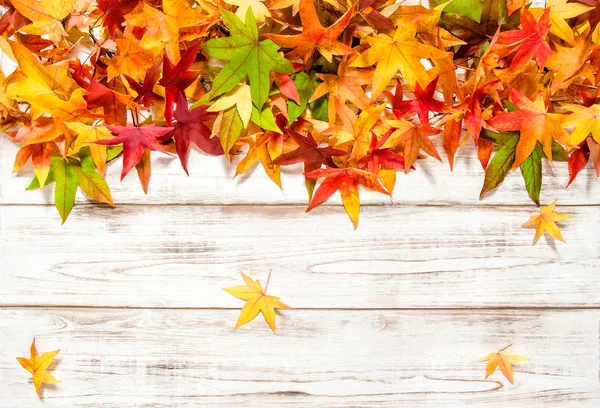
352 90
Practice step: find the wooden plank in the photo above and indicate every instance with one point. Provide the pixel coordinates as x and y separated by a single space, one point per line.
400 257
211 182
190 358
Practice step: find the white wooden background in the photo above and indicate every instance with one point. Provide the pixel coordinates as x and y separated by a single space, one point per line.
393 314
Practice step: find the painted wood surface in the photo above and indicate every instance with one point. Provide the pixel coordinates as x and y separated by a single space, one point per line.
400 257
351 358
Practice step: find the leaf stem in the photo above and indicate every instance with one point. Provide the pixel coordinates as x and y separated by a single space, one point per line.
267 282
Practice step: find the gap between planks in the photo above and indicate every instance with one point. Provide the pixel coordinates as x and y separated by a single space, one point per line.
357 309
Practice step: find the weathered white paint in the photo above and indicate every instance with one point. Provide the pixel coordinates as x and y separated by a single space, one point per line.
333 358
182 256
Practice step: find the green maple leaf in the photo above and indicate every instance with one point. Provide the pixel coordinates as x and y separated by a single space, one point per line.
247 56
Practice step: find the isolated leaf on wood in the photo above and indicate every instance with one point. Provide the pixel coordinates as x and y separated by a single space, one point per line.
38 367
257 301
546 221
503 359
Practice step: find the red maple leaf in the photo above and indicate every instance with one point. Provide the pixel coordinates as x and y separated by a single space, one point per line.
176 78
423 103
530 40
346 181
190 128
135 140
309 152
145 92
377 157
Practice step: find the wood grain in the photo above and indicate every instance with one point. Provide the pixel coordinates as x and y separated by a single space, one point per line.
211 182
400 257
191 358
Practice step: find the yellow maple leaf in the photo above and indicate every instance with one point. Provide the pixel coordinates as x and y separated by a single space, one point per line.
546 221
46 16
164 30
585 121
400 52
258 8
257 301
504 359
86 136
560 11
37 365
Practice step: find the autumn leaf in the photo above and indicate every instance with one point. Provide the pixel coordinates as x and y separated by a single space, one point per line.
257 301
534 123
415 139
190 128
584 120
315 37
529 40
310 153
402 52
46 16
346 181
504 359
546 221
38 367
134 140
177 77
247 57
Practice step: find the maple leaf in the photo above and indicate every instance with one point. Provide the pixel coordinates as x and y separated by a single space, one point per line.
401 52
379 156
346 181
87 136
190 128
134 140
247 57
145 92
257 301
163 31
38 367
534 124
310 153
314 36
131 59
546 221
39 79
113 13
530 40
176 78
46 16
580 157
259 9
504 359
347 85
415 139
584 120
423 103
560 11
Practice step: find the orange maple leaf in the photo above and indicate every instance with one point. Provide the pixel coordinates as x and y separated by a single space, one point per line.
546 221
504 359
534 123
37 365
314 36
